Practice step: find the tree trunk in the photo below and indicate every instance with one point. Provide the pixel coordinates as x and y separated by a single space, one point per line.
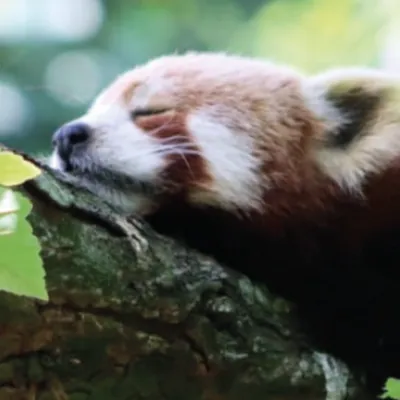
134 315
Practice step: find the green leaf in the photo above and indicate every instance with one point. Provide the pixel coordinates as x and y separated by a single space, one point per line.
21 268
392 389
14 170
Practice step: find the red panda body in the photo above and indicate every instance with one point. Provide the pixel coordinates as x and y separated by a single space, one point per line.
291 180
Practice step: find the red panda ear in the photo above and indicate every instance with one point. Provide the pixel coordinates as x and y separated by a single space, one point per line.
351 99
360 111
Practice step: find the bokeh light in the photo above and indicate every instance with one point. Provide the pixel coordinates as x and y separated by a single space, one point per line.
14 110
50 20
73 78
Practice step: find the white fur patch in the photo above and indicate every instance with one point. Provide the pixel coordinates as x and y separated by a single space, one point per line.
368 77
55 162
231 162
365 157
324 110
147 93
123 202
121 146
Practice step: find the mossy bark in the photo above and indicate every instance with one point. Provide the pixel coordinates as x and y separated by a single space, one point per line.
134 315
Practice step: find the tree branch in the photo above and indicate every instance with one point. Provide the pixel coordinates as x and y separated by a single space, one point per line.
134 315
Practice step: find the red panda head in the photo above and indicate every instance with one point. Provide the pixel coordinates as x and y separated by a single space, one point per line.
231 133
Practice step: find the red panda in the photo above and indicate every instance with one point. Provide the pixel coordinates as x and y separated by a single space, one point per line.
292 180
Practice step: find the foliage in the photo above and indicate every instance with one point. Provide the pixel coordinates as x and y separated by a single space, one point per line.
21 269
392 389
14 170
315 35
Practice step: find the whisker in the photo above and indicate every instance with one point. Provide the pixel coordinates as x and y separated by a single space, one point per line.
182 154
87 165
172 138
179 146
185 152
155 131
173 147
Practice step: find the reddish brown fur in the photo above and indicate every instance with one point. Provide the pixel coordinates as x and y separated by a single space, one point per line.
183 171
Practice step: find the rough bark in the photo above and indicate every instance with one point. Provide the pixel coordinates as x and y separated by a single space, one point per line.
133 315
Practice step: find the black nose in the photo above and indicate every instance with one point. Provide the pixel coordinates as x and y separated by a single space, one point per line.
68 136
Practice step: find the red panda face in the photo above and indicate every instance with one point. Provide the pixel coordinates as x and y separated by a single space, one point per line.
216 130
201 126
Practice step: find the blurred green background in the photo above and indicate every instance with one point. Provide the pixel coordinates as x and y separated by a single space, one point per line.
56 55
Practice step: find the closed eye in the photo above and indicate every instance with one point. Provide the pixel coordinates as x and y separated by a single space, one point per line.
146 112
